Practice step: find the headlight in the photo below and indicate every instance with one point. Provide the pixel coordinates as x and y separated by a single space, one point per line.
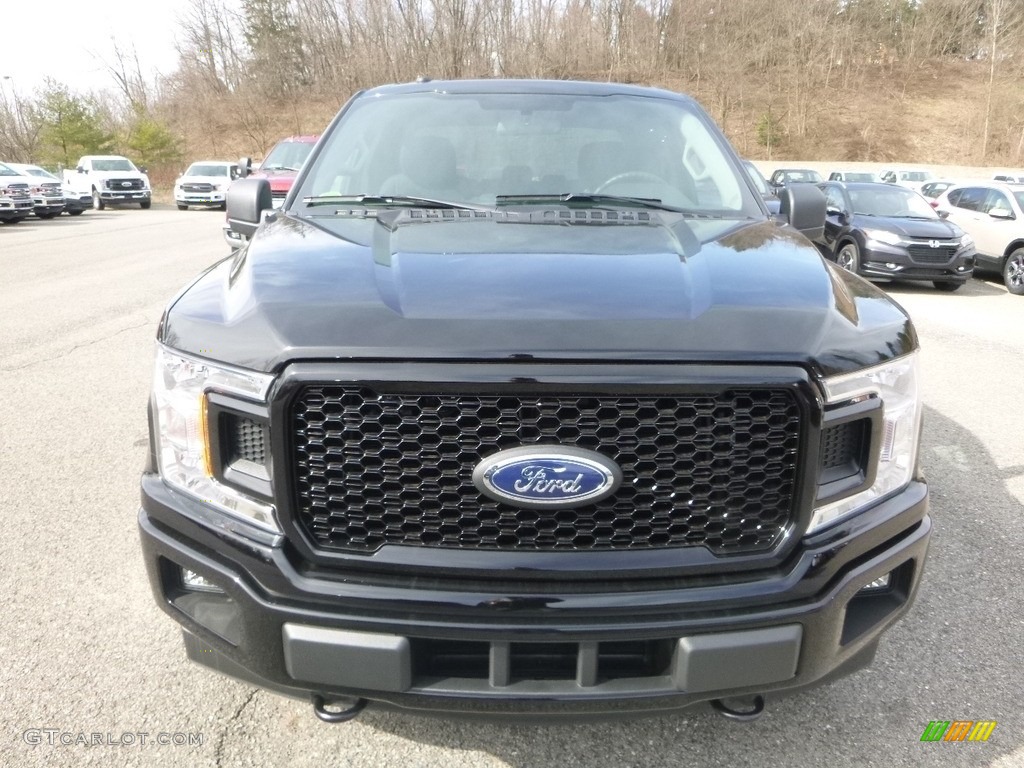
966 240
883 236
896 383
180 386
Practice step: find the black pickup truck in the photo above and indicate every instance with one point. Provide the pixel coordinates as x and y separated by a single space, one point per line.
523 404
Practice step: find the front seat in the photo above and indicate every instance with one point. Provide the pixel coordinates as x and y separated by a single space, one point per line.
427 169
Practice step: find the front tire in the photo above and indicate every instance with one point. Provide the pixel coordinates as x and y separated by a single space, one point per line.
948 286
97 201
182 207
849 257
144 205
1013 272
76 212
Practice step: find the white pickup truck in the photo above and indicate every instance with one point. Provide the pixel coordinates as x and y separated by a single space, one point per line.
110 179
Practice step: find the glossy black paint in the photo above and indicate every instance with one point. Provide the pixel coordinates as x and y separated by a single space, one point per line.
661 299
337 288
272 586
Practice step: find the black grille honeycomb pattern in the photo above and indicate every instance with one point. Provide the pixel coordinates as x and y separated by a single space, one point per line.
842 444
374 468
248 441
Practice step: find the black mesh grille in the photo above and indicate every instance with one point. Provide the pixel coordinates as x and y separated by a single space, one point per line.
923 253
248 441
715 470
119 184
841 444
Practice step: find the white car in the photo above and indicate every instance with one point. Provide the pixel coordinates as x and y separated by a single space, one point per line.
74 202
205 183
911 178
993 214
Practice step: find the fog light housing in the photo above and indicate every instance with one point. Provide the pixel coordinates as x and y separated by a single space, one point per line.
878 585
193 582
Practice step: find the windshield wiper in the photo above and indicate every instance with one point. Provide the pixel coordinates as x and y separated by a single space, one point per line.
279 168
598 199
403 200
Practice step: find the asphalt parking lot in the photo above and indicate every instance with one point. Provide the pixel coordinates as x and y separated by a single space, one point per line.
86 651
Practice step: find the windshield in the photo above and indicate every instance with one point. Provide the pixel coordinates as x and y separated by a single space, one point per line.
40 173
6 171
479 147
207 170
809 176
894 202
860 177
915 176
113 164
756 177
288 155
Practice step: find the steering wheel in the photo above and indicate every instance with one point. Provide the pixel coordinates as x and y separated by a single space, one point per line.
642 175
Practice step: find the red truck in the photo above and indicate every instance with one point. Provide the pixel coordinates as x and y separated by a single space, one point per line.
280 168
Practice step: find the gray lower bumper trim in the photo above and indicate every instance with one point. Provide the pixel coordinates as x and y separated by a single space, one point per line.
737 659
334 657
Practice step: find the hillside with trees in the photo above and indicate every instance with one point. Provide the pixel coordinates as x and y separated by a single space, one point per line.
925 81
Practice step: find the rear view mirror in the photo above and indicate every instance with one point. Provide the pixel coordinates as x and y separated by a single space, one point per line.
247 199
803 206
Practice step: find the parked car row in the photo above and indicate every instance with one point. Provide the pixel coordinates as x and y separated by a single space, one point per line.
96 181
29 189
906 224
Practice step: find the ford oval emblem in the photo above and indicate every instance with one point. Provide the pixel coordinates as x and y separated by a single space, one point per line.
547 476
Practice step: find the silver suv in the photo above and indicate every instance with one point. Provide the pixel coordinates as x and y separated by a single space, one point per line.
993 214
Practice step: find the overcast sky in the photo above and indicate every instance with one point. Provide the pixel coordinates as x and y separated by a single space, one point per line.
68 40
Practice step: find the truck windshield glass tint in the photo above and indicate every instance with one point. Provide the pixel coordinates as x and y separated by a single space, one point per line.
475 147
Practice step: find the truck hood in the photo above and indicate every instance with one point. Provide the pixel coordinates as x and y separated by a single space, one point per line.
493 288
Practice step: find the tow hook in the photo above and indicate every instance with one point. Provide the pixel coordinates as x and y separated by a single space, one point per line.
355 706
753 709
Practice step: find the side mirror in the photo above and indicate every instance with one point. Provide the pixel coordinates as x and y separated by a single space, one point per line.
1002 214
247 199
80 169
244 167
803 206
142 169
943 214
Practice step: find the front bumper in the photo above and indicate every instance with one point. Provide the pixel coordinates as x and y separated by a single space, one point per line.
81 203
544 648
47 206
233 238
893 262
110 196
199 198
